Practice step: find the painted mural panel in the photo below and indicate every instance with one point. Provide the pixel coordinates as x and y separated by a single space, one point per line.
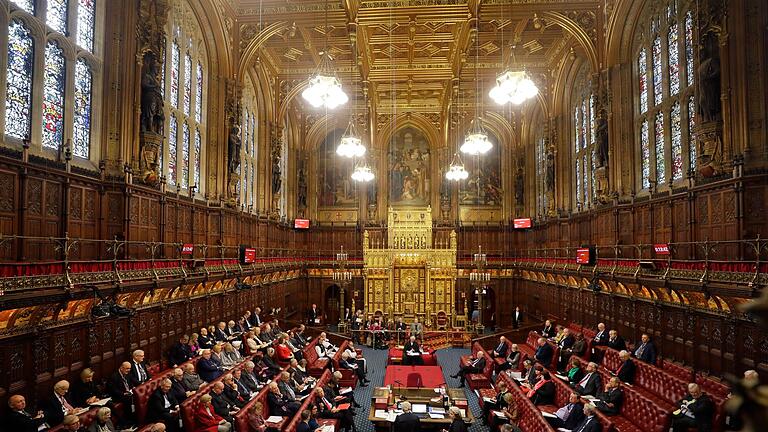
333 173
483 187
409 166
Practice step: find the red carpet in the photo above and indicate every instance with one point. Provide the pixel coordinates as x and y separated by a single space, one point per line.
428 356
414 376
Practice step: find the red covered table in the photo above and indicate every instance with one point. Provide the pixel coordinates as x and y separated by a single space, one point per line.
395 356
414 376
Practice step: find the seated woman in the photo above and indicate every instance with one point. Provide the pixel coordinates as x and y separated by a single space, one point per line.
283 353
575 373
270 368
512 359
206 418
256 418
511 414
194 345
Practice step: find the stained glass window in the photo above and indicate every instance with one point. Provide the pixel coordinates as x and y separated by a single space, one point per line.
185 155
645 156
657 78
187 83
689 48
56 16
578 180
244 131
674 60
83 99
658 125
585 183
199 94
18 94
584 123
691 134
592 123
642 67
174 81
86 19
576 131
592 173
53 96
198 147
172 148
27 5
676 143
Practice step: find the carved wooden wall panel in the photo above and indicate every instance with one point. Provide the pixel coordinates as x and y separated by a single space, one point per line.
82 219
9 208
43 202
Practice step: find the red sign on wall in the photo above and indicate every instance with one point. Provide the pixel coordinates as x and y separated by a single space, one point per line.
583 256
301 223
661 249
249 255
521 223
187 248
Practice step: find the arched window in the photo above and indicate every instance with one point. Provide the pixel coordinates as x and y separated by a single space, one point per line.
249 135
184 79
584 125
540 146
664 73
65 74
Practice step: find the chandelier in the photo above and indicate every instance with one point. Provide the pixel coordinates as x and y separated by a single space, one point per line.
324 88
350 146
362 173
476 141
515 87
456 171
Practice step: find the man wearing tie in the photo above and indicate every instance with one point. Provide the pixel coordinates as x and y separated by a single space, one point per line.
255 318
55 408
646 352
615 341
626 372
517 317
412 353
570 415
611 399
544 353
139 371
475 366
18 419
601 337
163 407
407 421
590 422
590 384
501 349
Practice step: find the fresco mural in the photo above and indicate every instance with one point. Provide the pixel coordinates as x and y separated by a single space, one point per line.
409 168
333 173
483 187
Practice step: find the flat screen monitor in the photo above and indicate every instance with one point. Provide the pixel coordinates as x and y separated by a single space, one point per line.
522 223
247 255
301 223
585 256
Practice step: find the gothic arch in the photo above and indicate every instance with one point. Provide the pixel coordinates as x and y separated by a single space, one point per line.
578 33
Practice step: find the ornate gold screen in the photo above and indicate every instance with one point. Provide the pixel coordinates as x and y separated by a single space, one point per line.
410 278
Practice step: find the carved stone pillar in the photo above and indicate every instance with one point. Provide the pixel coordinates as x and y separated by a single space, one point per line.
234 111
276 156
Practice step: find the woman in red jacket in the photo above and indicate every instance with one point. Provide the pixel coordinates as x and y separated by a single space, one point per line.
207 420
284 353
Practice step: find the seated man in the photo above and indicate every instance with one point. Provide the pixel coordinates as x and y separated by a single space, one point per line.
243 387
57 405
19 419
696 410
512 360
328 409
221 404
615 341
180 351
163 406
570 415
344 363
646 352
544 353
495 403
611 399
208 369
191 380
279 404
180 393
475 366
591 383
590 422
412 352
601 337
501 349
231 392
626 372
407 421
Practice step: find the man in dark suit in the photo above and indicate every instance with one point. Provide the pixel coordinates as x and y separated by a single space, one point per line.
119 388
475 366
139 369
407 421
19 420
326 408
256 318
180 352
590 384
517 317
208 369
345 363
412 352
696 410
221 406
303 425
549 330
570 415
178 390
57 406
565 344
601 337
279 403
646 351
615 341
590 422
163 407
626 371
544 353
313 316
611 399
497 403
501 349
231 392
220 334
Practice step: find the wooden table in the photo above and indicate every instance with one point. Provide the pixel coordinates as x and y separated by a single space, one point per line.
419 396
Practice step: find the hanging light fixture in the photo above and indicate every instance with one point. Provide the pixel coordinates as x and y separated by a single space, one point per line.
476 141
513 86
456 171
363 173
324 87
351 146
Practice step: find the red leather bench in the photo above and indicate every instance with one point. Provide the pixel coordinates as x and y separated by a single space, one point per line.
678 370
530 418
348 376
307 403
315 365
86 419
142 393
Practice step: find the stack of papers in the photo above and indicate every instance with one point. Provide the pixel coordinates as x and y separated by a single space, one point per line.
345 390
436 416
274 419
437 410
326 428
383 414
499 414
101 402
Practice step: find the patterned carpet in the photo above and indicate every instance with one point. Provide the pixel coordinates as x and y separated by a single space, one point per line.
447 358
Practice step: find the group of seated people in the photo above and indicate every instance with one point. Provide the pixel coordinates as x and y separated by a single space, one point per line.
220 348
348 359
377 332
589 393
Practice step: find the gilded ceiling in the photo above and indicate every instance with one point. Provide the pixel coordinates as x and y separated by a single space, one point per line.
410 54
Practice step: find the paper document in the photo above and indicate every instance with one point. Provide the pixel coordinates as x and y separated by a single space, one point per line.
436 416
546 414
419 408
516 375
326 428
101 402
562 377
437 410
487 399
345 390
274 419
500 414
563 430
